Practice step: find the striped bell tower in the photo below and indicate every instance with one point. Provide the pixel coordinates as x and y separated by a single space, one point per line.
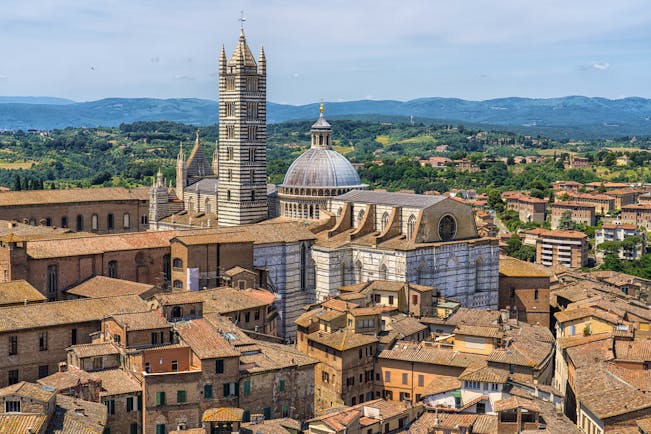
242 190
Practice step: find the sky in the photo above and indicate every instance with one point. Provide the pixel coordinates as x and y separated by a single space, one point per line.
335 50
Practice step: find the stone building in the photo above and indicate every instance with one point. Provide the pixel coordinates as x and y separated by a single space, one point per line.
529 209
316 176
428 240
568 248
100 210
524 291
580 213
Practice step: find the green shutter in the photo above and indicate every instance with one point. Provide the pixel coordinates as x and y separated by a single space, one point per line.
160 398
160 428
247 387
267 412
139 400
227 389
282 385
207 391
180 396
246 417
129 403
134 428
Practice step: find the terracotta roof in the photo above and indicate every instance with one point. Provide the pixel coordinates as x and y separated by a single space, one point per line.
117 382
273 426
215 238
590 353
577 340
473 316
341 340
19 291
484 374
558 234
482 331
624 395
147 320
430 422
338 305
371 310
586 312
407 325
75 416
78 246
21 423
441 384
572 204
72 195
516 402
102 286
616 226
637 350
204 339
423 353
29 390
308 318
67 379
93 350
223 414
512 267
234 271
67 312
644 424
266 356
228 330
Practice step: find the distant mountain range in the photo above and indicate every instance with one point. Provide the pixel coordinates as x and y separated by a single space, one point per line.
569 117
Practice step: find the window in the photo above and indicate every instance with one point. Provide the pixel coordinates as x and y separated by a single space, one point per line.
253 133
180 396
230 132
12 376
177 263
110 406
133 428
535 294
385 220
230 83
43 371
13 345
247 316
175 365
252 110
383 272
109 222
207 391
228 195
219 367
358 271
160 428
391 300
126 220
247 387
387 377
73 337
42 341
160 398
285 411
178 284
48 221
411 225
129 403
421 380
447 228
256 315
325 377
405 378
94 222
229 153
472 385
12 406
64 221
267 413
143 219
230 109
252 154
113 269
481 408
97 363
303 267
147 367
52 281
230 389
495 387
251 84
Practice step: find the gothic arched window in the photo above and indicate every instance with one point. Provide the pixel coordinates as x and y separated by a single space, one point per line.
385 220
359 269
383 272
411 225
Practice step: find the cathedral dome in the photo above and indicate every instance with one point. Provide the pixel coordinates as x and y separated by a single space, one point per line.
321 167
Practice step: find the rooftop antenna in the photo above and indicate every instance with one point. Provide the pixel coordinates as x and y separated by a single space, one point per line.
241 19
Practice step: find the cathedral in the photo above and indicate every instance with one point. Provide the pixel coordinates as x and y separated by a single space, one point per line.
358 234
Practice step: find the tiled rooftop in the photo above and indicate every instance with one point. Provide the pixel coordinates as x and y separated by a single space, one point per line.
117 382
19 291
204 339
147 320
102 286
341 340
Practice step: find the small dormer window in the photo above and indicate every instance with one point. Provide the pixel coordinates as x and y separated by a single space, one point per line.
12 406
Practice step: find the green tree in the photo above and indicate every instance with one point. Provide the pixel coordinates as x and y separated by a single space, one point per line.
566 223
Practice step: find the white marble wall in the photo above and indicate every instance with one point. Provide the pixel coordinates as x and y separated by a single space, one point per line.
283 262
464 271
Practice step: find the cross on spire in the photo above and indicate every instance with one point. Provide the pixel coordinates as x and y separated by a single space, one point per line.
241 19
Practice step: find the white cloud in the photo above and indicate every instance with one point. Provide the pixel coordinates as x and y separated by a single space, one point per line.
601 66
